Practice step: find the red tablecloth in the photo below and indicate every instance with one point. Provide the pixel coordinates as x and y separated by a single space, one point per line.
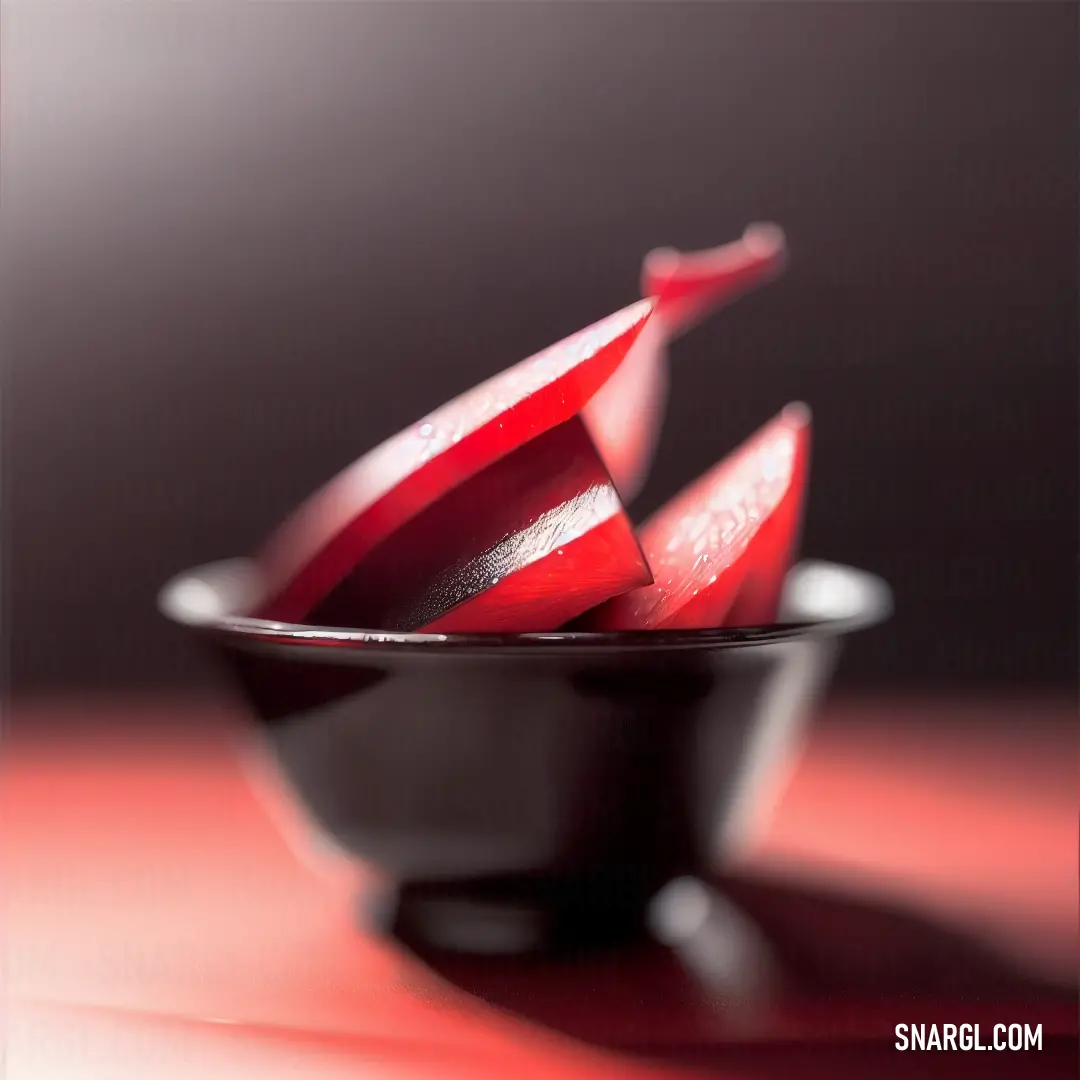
160 923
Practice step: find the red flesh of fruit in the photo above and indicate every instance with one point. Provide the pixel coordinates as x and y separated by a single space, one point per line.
626 414
365 505
719 551
524 546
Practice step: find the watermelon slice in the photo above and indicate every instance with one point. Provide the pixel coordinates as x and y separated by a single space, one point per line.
626 414
720 549
526 545
365 505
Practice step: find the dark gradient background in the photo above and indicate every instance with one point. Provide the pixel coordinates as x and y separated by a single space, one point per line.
243 243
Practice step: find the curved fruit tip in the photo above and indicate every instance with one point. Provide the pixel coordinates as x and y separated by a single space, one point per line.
766 240
690 286
626 415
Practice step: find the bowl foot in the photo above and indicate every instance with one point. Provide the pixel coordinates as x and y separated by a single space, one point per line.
504 917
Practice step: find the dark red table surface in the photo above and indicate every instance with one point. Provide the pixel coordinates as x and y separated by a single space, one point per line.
165 915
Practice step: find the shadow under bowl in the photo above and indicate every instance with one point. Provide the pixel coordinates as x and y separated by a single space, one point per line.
535 792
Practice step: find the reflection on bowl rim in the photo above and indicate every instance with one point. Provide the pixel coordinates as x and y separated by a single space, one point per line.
821 598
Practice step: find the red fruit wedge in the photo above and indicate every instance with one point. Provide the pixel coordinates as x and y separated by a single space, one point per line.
720 549
526 545
626 414
370 501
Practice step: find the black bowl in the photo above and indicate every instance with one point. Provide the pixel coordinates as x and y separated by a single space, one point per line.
528 792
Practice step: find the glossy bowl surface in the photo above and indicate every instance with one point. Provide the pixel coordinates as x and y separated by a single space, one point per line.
524 792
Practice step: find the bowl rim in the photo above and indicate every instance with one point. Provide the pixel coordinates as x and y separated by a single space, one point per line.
821 599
